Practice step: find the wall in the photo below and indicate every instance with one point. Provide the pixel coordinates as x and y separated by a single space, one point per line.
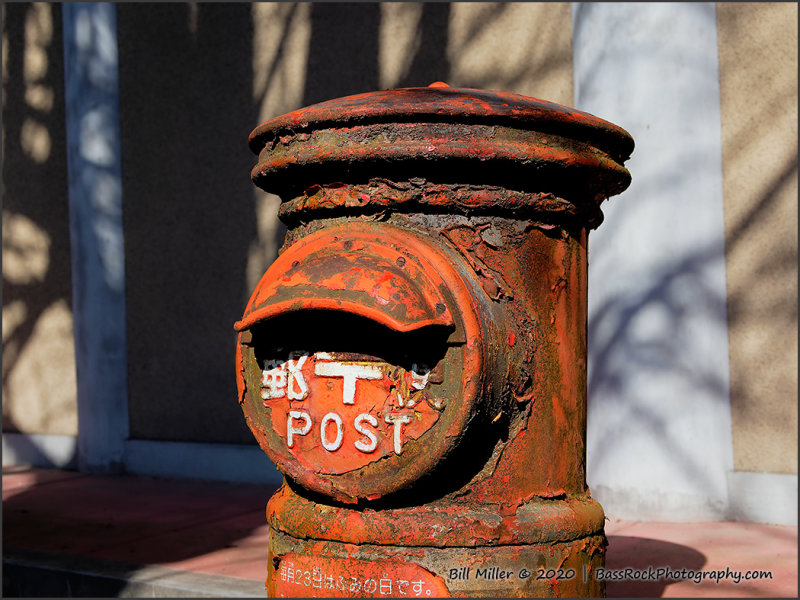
186 107
758 60
194 80
692 292
39 384
758 64
659 433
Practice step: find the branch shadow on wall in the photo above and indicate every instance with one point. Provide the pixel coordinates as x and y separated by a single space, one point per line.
187 107
37 294
613 324
683 289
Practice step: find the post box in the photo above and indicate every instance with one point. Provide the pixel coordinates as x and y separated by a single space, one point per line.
414 361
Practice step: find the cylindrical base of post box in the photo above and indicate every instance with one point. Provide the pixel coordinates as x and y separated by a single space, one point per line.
543 548
317 568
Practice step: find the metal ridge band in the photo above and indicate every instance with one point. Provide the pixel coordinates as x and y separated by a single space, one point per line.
540 159
418 195
457 525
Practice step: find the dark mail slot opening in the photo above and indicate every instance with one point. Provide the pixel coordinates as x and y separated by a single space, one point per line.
345 336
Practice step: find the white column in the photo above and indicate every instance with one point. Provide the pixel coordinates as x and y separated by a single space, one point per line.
95 205
659 424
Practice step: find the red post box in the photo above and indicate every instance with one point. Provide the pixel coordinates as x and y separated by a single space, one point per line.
414 361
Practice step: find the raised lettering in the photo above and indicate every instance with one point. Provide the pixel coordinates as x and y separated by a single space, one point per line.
273 379
295 376
291 430
350 373
335 444
366 446
397 421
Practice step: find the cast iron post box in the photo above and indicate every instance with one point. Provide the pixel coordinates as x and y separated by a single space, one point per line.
414 361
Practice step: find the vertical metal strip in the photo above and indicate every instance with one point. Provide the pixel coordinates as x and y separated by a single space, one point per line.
96 234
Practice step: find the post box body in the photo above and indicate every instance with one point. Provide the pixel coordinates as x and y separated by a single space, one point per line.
414 361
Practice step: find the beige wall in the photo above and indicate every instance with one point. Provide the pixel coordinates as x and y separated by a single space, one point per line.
39 386
758 85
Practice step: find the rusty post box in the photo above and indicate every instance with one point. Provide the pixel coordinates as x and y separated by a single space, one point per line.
414 361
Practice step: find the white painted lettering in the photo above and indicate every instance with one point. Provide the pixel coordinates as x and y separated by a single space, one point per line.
350 372
398 421
273 379
295 376
291 430
335 444
363 445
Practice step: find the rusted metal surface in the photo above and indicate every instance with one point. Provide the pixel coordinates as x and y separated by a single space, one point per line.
353 271
363 428
442 524
449 105
559 569
443 149
415 360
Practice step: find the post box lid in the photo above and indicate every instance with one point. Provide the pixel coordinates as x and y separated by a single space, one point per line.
361 276
440 102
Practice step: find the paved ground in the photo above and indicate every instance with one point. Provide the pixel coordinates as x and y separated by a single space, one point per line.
135 536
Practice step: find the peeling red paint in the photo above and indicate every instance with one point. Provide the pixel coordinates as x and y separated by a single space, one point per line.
448 104
415 422
449 224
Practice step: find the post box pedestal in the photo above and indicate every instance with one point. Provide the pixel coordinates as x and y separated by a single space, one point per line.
543 548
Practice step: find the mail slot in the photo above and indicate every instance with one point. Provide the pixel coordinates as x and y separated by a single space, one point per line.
414 361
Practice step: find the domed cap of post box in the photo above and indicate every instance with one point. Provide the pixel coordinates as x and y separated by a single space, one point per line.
476 139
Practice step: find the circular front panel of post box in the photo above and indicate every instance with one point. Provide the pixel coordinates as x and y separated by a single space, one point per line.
361 357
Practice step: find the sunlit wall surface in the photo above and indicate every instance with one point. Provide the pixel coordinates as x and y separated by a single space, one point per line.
39 383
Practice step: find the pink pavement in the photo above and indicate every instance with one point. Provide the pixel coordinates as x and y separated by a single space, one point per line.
724 548
217 528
